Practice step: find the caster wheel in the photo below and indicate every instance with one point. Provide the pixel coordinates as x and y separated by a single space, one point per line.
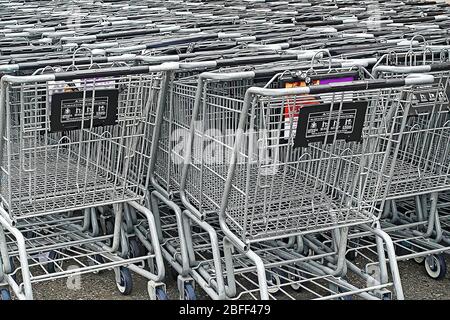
161 294
401 248
125 285
173 273
109 226
436 266
136 248
97 260
13 268
5 295
29 235
273 282
189 292
109 230
51 266
308 252
344 297
297 287
339 290
351 255
419 260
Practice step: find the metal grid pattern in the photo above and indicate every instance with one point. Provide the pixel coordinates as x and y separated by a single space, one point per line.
45 172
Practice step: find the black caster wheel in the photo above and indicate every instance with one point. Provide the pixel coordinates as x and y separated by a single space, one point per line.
136 248
51 266
173 273
402 247
29 234
125 285
5 295
161 294
351 255
189 292
109 230
436 266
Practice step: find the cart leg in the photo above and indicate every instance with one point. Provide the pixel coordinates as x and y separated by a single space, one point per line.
228 249
155 198
382 260
159 276
392 260
215 251
261 271
157 290
183 283
25 292
4 252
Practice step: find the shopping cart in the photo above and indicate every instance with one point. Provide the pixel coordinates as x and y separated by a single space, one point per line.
251 209
72 141
422 165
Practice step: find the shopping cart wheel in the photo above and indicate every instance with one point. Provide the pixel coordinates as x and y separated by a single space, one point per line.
109 230
419 260
338 290
96 260
136 248
5 295
51 266
30 234
344 297
125 285
161 294
273 282
13 268
402 248
296 287
296 276
189 292
436 266
173 273
351 255
352 252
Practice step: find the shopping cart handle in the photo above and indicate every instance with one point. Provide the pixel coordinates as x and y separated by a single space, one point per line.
395 69
418 79
255 59
17 34
412 69
356 62
92 73
414 79
229 35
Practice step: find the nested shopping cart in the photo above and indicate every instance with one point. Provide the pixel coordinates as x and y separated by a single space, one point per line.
411 214
172 123
72 141
422 165
268 181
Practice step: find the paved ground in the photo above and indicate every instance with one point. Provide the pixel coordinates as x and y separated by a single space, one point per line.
416 283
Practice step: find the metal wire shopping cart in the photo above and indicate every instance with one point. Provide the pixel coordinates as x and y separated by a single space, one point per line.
71 141
261 200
